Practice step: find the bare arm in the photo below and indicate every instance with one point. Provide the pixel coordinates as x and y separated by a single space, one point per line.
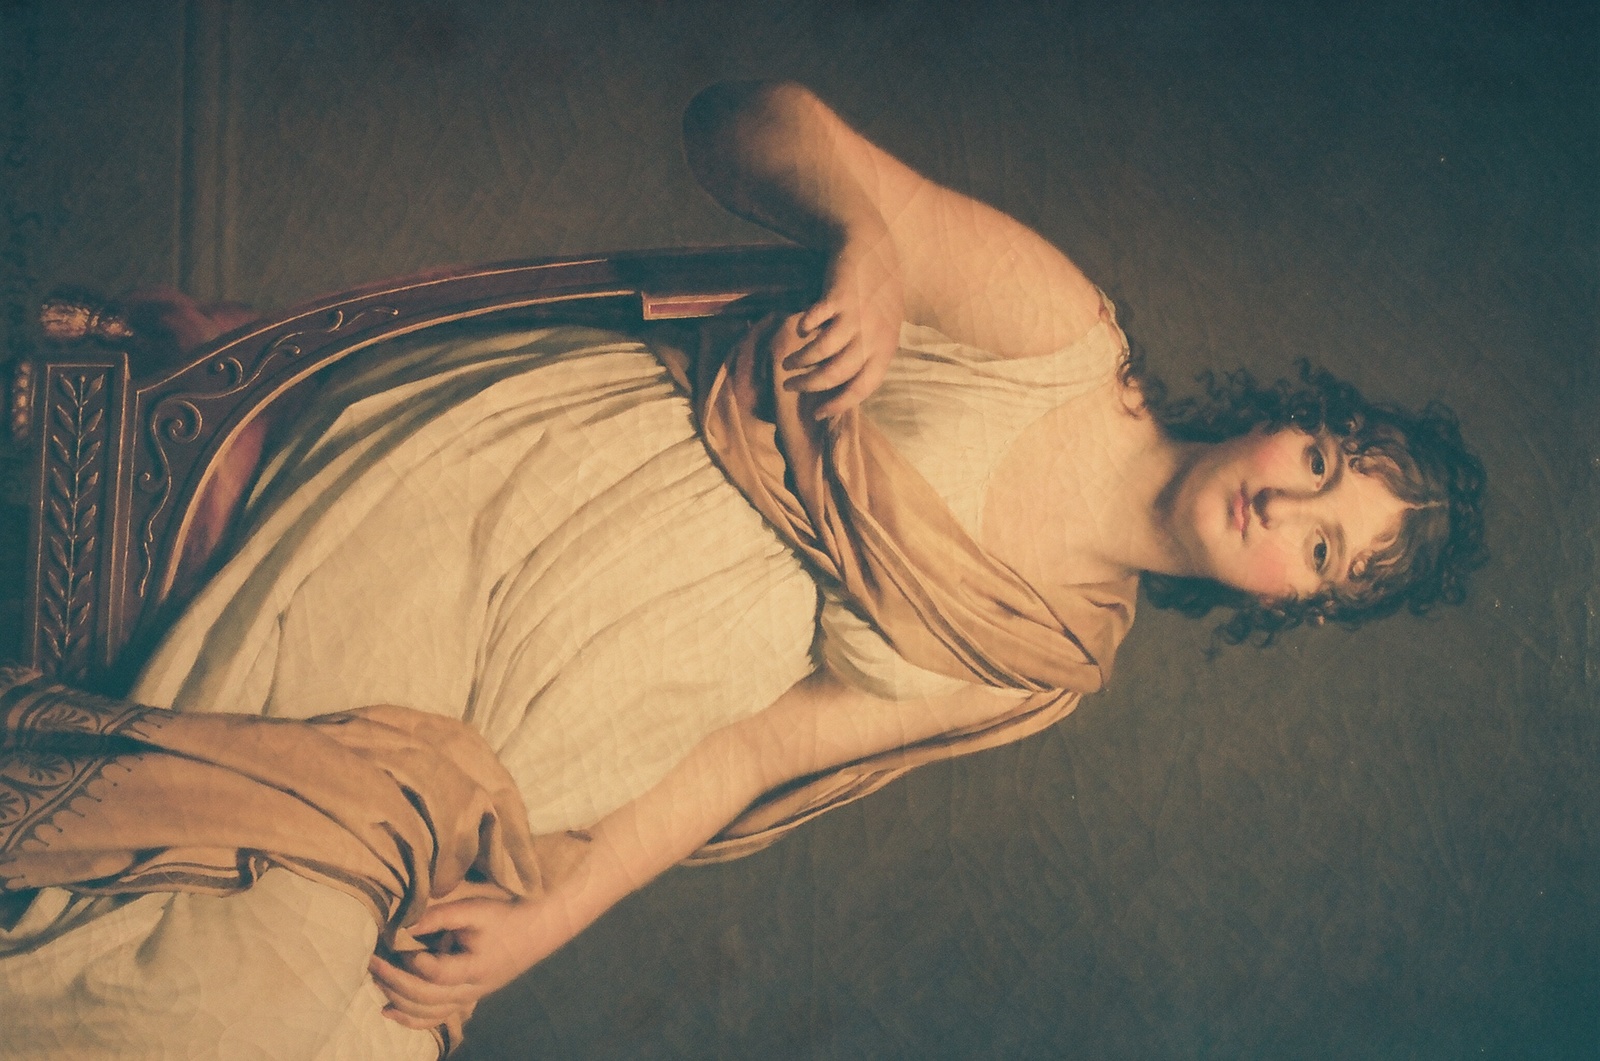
818 723
776 154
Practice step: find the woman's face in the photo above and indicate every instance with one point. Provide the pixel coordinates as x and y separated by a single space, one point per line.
1282 515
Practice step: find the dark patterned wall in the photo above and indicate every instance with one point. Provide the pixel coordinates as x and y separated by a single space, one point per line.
1374 845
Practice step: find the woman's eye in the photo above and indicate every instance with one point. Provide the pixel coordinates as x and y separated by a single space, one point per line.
1319 554
1319 464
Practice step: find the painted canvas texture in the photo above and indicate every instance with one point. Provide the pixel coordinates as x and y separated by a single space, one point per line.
1354 844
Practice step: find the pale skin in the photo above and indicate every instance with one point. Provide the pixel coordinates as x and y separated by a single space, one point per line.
1278 515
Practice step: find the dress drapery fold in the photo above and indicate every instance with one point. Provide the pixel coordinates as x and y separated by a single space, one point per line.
845 499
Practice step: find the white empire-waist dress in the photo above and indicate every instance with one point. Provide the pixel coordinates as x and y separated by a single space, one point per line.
524 531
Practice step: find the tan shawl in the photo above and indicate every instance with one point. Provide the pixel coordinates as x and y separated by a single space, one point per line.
392 806
860 514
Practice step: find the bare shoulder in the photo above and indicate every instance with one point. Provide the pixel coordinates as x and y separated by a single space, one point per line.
985 279
971 271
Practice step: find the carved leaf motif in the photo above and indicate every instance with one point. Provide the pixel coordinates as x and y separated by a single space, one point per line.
57 487
76 431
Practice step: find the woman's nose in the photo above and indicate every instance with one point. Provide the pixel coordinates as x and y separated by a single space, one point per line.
1279 507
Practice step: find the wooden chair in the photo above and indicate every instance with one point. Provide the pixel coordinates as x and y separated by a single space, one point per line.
129 436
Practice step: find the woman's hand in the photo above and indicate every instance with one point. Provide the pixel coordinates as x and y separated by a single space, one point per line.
475 946
850 335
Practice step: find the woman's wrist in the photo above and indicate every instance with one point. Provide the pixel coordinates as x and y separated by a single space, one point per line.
547 920
589 872
586 875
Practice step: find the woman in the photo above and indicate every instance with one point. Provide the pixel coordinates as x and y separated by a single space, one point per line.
644 687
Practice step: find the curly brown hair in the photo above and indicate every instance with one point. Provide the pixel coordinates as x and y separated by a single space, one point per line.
1420 456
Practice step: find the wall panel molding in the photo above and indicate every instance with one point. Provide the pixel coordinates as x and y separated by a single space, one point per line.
19 283
205 252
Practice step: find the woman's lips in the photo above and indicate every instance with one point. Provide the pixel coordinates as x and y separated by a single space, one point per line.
1241 512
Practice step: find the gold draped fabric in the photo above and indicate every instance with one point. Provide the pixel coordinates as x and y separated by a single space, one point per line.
860 514
392 806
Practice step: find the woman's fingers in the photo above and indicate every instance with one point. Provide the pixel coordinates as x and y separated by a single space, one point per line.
836 371
822 346
400 983
841 363
442 917
835 355
423 1023
815 317
446 970
417 996
850 376
425 1018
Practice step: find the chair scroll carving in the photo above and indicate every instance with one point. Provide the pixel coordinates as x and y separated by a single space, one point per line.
124 434
179 411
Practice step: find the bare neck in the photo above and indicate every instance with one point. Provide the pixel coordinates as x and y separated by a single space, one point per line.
1087 496
1138 486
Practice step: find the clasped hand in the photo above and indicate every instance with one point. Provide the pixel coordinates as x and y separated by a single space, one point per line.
475 946
843 344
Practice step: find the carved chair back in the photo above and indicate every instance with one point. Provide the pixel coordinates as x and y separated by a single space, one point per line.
123 435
